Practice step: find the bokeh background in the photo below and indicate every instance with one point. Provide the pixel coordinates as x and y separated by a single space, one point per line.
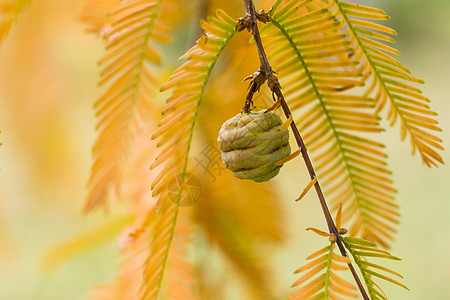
48 83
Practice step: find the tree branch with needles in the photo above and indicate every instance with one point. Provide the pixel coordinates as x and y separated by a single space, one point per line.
265 72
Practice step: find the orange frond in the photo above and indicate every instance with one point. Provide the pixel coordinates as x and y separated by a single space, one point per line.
122 110
177 125
94 14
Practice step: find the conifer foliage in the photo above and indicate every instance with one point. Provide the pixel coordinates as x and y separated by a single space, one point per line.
338 75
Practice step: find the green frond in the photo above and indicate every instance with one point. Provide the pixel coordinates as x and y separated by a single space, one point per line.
123 108
320 279
10 10
390 80
306 50
361 250
175 136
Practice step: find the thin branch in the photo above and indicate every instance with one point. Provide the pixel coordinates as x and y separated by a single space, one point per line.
275 87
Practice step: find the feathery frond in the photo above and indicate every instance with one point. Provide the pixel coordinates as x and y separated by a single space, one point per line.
155 264
175 134
135 239
361 250
305 49
179 266
94 13
10 11
320 280
125 105
391 82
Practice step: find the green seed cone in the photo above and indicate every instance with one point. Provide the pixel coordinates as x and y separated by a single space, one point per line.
251 144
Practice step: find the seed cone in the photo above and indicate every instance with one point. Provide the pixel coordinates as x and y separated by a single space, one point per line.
251 144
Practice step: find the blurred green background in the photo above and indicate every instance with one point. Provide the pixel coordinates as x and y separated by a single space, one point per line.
48 82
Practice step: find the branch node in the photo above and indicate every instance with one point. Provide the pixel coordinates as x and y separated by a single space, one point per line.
342 231
245 22
262 16
332 238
